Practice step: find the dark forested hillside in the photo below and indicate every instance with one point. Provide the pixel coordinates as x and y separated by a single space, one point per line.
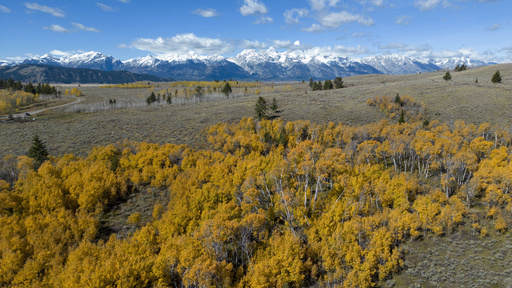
54 74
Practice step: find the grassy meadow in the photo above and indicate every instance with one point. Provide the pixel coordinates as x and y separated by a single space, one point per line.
78 128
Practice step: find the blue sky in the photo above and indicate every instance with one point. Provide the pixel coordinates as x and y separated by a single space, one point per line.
127 29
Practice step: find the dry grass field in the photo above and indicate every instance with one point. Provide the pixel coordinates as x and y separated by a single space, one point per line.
458 260
74 130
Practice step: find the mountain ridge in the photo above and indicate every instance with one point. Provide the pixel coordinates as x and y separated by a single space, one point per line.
38 73
266 65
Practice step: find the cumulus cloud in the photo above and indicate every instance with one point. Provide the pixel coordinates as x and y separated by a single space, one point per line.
337 19
183 43
403 20
264 20
493 27
106 8
378 3
315 28
79 26
320 5
4 9
207 13
247 44
57 28
337 51
292 16
430 4
253 7
36 7
406 48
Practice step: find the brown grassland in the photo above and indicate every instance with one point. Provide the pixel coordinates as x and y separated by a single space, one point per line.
77 133
459 258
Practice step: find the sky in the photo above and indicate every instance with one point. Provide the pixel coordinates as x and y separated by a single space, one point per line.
125 29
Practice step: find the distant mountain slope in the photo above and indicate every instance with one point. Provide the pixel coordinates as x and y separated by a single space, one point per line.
56 74
250 64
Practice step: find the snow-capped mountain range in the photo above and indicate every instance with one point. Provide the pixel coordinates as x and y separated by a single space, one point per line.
251 64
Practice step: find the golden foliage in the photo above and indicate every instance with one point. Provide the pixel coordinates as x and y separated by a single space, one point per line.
271 204
11 100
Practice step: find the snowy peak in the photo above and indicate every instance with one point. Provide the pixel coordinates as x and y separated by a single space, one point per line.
90 60
269 64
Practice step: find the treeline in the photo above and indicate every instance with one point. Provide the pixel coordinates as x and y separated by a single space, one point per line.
337 83
46 89
270 204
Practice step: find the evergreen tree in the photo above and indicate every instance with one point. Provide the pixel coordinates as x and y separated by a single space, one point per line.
227 89
456 68
311 83
261 108
282 138
38 152
274 106
447 76
402 117
151 98
319 85
328 85
398 100
496 78
338 83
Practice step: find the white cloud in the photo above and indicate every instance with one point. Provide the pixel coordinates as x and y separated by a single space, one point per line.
336 19
403 20
253 7
183 43
79 26
493 27
292 16
282 44
57 28
54 11
406 48
264 20
320 5
315 28
106 8
124 1
62 53
206 13
378 3
429 4
337 51
4 9
247 44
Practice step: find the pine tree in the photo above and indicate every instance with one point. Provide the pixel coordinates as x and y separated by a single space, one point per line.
227 89
311 83
398 100
447 76
274 106
38 152
496 78
338 83
261 108
151 98
402 117
328 85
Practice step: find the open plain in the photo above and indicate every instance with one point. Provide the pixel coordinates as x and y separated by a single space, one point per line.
470 96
